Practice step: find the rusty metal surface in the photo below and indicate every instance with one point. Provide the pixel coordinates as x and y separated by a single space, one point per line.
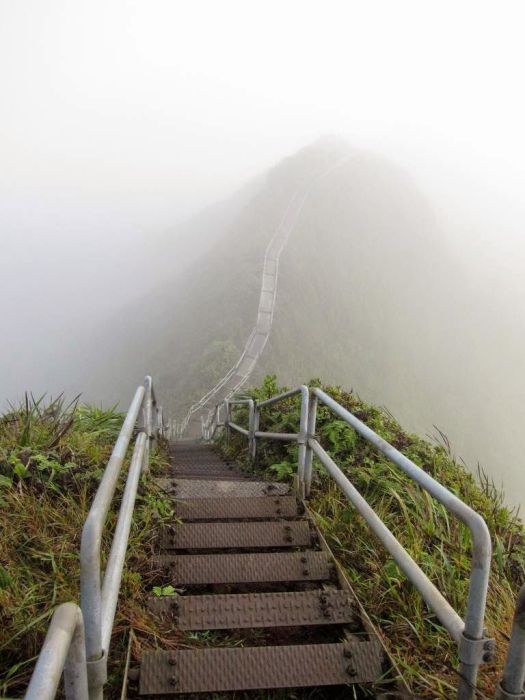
245 568
224 669
242 535
216 488
239 507
250 610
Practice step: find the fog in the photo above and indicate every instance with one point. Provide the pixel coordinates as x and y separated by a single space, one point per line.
123 123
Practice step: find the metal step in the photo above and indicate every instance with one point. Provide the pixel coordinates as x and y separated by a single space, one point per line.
236 508
237 535
250 610
185 569
215 488
225 669
206 470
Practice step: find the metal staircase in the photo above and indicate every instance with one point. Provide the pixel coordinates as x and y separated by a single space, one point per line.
249 561
254 563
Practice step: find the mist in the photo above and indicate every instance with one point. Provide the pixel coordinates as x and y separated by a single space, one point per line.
134 135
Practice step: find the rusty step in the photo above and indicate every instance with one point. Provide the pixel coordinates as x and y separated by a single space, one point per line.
249 668
216 488
193 569
236 508
243 535
251 610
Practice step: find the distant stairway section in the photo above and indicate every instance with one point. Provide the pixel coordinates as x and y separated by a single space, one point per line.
236 378
241 371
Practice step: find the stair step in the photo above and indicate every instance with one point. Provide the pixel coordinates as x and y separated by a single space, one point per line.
237 535
250 668
216 488
211 469
251 610
240 507
185 569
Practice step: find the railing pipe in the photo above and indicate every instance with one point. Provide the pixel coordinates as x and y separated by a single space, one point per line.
312 419
63 651
302 437
227 417
284 437
481 544
238 428
113 573
285 395
513 680
254 426
436 602
90 569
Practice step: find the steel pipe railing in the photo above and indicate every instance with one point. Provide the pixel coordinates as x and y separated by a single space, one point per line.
434 599
473 647
117 555
469 633
63 651
78 638
511 686
253 433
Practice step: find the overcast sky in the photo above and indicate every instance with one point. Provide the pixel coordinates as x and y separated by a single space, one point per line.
118 119
144 110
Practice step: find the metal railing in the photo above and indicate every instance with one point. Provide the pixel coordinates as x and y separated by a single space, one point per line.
474 647
78 639
511 686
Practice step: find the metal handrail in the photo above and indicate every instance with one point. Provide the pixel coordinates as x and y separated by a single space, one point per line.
89 627
511 685
63 651
254 433
474 647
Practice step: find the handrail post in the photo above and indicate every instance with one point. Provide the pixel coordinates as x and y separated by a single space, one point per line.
511 685
308 459
227 418
253 426
302 438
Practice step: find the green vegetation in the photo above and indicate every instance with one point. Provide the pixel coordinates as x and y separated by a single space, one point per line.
52 456
440 544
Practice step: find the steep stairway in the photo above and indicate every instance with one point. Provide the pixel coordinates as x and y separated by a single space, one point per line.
250 566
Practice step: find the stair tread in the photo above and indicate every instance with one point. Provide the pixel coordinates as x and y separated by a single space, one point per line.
251 610
247 668
186 569
215 488
237 507
269 533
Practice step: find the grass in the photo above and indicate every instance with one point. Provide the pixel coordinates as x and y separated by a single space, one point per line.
437 542
52 456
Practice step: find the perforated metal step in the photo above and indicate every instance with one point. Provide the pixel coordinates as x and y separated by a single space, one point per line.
194 488
237 535
239 507
185 569
250 610
224 669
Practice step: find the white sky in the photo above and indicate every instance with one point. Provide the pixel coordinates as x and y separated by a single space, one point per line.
144 110
120 118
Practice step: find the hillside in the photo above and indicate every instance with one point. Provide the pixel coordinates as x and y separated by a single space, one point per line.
361 228
369 296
